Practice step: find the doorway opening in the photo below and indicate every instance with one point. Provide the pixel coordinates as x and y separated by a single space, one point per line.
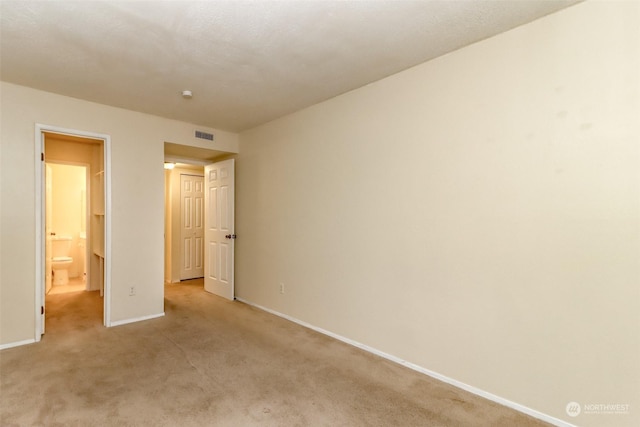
184 211
66 226
72 218
199 217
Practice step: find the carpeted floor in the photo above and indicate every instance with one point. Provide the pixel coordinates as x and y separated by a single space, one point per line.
212 362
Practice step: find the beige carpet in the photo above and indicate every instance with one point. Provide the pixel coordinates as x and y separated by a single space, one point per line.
212 362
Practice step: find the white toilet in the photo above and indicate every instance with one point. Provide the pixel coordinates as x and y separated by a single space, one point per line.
61 261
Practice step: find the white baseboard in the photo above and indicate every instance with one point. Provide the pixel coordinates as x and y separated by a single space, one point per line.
137 319
471 389
118 323
16 344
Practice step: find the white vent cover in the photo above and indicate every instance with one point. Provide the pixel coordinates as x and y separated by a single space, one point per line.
204 135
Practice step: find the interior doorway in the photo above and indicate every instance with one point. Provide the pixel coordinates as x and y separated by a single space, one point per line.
89 238
67 228
218 203
184 205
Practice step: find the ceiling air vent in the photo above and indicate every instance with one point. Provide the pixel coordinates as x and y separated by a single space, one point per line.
204 135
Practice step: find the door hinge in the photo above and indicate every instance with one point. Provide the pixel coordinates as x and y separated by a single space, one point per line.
42 157
42 309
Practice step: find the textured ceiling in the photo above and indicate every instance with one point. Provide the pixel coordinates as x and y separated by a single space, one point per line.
247 62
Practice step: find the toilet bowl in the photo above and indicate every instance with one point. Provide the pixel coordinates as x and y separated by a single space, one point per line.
60 267
61 261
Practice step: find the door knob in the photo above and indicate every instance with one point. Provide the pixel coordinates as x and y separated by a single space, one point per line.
230 236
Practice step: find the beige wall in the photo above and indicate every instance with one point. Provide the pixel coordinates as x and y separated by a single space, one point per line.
137 154
477 215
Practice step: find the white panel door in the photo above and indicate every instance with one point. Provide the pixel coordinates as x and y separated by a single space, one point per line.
219 228
192 226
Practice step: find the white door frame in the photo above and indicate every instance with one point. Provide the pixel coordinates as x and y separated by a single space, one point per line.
40 129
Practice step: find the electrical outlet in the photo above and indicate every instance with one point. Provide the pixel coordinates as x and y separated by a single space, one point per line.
132 290
282 288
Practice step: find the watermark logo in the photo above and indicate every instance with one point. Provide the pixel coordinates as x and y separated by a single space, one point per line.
573 409
606 408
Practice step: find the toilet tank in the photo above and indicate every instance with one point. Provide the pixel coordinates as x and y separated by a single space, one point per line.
60 246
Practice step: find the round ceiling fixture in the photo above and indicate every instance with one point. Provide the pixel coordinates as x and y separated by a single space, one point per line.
187 94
